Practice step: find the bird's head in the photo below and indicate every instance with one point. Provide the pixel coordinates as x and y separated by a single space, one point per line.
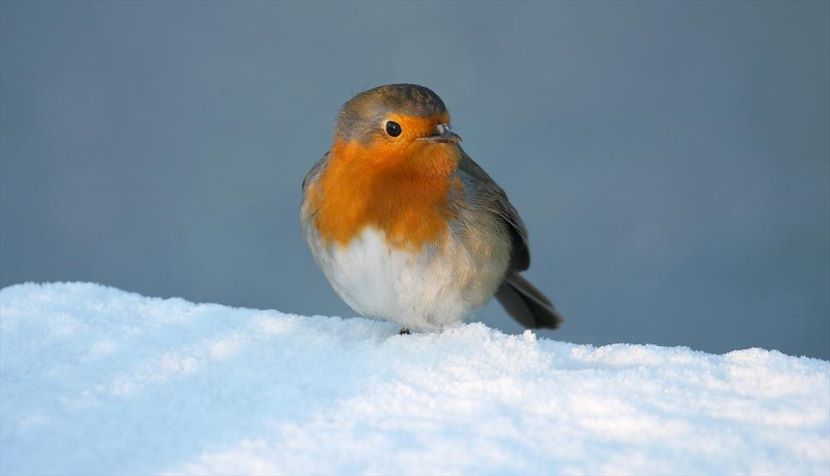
396 119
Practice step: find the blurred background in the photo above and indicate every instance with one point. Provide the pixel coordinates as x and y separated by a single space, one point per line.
671 160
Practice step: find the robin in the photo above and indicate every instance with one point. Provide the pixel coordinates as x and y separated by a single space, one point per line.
406 227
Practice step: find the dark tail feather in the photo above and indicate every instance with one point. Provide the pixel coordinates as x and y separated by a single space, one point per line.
527 304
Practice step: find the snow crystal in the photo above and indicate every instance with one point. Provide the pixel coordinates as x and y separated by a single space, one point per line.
94 380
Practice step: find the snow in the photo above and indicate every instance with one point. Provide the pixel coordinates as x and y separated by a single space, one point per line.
94 380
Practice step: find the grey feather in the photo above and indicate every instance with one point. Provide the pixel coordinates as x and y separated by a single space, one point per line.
312 174
527 304
519 298
492 197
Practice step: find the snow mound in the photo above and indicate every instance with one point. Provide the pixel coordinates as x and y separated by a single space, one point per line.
94 380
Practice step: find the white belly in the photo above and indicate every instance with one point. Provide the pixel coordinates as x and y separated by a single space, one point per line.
424 291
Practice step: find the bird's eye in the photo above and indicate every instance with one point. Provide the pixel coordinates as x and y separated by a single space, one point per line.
393 128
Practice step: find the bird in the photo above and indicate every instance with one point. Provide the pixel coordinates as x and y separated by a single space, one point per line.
407 227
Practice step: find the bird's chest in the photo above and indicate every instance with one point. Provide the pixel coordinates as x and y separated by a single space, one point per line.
411 214
408 198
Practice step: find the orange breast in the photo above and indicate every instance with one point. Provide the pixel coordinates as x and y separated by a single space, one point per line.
402 191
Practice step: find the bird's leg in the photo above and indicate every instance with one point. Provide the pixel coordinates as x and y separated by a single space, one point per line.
403 332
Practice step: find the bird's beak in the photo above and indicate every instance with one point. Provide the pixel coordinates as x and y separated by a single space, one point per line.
443 134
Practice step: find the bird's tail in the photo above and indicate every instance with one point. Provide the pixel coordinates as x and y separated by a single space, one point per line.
527 304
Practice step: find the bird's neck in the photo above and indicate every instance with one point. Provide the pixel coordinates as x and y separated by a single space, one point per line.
405 196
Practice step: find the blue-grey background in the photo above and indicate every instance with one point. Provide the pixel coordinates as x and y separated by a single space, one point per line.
671 160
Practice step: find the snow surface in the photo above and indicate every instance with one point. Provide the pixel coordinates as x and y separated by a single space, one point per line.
98 380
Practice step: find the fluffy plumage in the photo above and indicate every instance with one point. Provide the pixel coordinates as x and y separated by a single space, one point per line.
409 228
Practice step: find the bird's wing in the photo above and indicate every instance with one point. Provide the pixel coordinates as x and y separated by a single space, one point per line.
493 198
315 170
520 298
